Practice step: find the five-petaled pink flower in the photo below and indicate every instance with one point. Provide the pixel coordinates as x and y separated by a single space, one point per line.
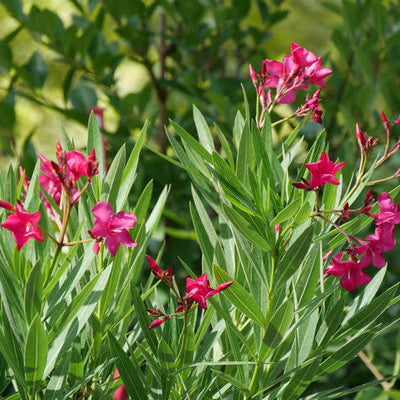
22 224
351 271
322 171
112 227
199 289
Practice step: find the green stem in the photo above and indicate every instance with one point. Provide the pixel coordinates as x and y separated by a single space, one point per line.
53 263
101 258
360 176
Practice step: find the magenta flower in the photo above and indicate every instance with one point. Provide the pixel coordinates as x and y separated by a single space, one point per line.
199 289
323 171
295 72
71 166
301 56
112 227
351 271
388 212
22 224
380 241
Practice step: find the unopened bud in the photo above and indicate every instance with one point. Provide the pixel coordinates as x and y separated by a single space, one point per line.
253 75
360 137
156 322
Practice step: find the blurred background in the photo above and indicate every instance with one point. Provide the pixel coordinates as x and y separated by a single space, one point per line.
150 60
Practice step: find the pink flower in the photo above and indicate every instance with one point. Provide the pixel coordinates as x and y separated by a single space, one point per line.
351 271
301 56
377 243
295 72
323 171
388 212
71 166
316 74
199 289
120 393
22 224
112 227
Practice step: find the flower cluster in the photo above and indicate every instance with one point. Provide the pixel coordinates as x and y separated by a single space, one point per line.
296 71
59 182
197 291
361 252
370 248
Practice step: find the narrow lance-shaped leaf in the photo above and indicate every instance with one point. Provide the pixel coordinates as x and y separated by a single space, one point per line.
129 371
35 353
239 297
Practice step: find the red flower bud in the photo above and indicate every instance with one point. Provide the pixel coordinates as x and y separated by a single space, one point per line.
156 322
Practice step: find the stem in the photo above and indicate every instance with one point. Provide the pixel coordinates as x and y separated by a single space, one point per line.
78 241
368 363
101 258
360 176
254 380
381 180
351 239
53 263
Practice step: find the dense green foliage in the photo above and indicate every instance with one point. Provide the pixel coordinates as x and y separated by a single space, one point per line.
198 52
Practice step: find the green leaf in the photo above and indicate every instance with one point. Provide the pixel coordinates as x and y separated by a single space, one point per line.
35 71
129 370
300 380
239 297
205 135
225 146
243 226
33 293
5 57
63 341
14 7
113 178
35 353
345 353
303 214
294 257
371 311
245 154
13 353
82 97
128 176
286 213
166 357
95 141
277 327
192 142
144 320
56 387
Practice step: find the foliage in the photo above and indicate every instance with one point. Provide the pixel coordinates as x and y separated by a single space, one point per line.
72 315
